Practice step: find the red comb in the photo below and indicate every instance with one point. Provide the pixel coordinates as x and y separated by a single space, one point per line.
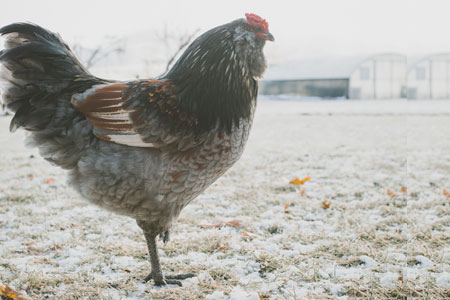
256 20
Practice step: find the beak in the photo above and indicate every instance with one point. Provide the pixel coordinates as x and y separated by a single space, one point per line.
269 37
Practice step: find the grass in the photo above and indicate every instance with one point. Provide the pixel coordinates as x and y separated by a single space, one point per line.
56 246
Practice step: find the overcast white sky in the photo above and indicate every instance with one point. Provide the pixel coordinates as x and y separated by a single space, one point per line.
303 29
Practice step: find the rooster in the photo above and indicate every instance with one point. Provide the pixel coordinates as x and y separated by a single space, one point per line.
143 148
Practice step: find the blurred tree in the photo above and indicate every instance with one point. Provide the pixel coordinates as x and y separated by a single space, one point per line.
92 56
175 43
172 43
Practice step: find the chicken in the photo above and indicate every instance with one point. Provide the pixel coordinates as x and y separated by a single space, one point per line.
143 148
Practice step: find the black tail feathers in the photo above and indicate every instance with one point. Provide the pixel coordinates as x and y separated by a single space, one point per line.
36 68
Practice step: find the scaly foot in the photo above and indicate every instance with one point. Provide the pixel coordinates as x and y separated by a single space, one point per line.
169 279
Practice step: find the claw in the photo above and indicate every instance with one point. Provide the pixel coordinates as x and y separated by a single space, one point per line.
156 273
169 279
180 276
148 277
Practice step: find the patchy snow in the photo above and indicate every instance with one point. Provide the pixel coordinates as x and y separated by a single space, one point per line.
424 261
217 295
443 280
397 256
239 294
368 261
55 245
389 279
335 289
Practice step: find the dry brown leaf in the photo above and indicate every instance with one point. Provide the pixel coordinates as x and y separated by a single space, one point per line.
218 225
232 223
297 180
302 191
55 247
391 193
30 248
286 208
10 293
446 193
404 189
326 204
222 249
49 180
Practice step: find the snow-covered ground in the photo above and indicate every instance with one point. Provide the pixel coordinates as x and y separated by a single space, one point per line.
373 221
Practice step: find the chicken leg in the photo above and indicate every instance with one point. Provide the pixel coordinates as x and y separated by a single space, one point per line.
156 272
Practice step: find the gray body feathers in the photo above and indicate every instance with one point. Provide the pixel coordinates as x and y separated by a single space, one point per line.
43 81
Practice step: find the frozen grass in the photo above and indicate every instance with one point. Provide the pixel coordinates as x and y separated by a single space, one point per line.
281 243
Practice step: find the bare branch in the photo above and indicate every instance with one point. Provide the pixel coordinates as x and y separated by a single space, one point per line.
171 43
92 57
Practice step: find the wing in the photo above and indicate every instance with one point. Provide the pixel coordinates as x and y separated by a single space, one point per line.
138 114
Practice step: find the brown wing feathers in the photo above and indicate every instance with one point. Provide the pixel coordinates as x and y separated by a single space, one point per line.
140 113
103 106
99 97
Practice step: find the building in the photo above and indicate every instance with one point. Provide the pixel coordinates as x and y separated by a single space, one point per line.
324 78
429 77
321 88
380 76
